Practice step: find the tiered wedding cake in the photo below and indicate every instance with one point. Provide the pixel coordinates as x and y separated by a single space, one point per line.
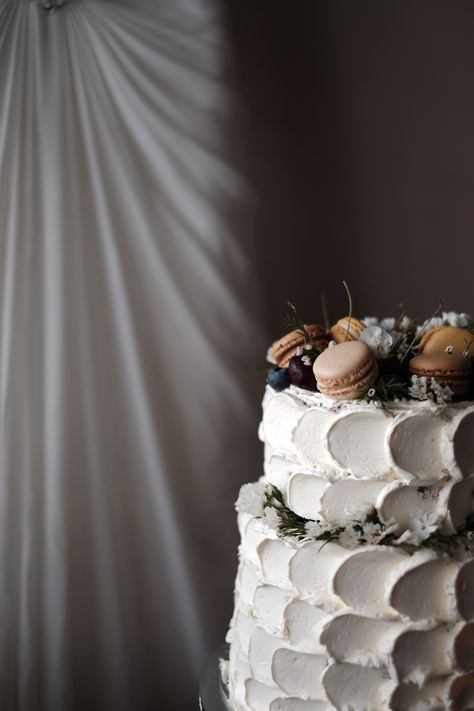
355 588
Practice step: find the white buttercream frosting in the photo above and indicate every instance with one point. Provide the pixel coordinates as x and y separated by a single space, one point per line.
320 626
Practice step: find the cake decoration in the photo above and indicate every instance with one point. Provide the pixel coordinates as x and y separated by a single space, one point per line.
393 373
346 371
355 586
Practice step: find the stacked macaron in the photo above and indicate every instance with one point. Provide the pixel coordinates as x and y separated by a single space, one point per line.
346 361
446 358
346 371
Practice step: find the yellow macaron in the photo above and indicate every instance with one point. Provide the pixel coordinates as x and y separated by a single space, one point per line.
347 329
439 339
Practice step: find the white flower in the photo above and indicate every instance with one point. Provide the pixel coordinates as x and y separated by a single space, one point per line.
454 319
378 339
419 388
306 360
442 393
370 321
251 498
308 346
349 538
331 344
299 351
314 529
271 518
388 323
373 532
420 530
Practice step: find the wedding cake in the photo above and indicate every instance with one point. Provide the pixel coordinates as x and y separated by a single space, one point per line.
355 586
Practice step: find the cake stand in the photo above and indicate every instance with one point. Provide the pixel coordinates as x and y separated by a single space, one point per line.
212 690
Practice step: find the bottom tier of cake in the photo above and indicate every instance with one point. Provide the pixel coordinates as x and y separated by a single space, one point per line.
320 626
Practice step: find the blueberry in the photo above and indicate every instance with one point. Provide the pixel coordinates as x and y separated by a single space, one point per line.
301 374
278 379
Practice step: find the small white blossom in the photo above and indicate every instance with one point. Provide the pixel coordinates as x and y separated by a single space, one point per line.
314 529
299 351
271 518
331 344
251 498
306 360
419 388
349 538
420 530
451 318
387 323
447 318
373 532
308 346
370 321
442 393
378 339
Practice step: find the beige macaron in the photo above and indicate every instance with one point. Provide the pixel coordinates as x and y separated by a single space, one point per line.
346 371
438 339
451 369
285 348
347 329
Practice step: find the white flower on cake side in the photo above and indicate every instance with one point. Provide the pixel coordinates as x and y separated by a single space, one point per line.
420 529
251 498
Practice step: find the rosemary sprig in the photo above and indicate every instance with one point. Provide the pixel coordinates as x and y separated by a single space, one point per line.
290 524
386 389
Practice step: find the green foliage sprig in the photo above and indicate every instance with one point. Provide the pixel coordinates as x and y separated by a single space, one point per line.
388 388
292 525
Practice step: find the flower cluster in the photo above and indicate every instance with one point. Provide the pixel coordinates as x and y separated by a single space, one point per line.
265 501
422 388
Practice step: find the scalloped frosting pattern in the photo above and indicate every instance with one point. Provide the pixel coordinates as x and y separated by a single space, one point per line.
337 462
331 628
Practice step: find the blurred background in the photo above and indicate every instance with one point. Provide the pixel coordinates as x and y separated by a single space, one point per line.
171 172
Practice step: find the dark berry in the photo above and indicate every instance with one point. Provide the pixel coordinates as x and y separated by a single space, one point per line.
278 379
301 374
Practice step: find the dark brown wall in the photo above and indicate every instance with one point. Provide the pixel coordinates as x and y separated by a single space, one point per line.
360 149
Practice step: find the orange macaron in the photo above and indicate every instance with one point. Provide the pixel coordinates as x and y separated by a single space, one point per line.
285 348
439 339
347 329
346 371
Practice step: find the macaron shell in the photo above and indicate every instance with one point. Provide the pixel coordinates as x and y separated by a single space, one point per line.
340 333
452 370
285 348
342 360
437 340
346 370
441 363
354 389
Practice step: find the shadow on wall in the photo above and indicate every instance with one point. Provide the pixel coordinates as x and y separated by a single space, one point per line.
360 151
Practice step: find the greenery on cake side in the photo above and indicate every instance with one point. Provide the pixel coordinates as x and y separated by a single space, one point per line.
266 501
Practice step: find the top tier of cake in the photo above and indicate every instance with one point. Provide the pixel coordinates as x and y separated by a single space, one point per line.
335 461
